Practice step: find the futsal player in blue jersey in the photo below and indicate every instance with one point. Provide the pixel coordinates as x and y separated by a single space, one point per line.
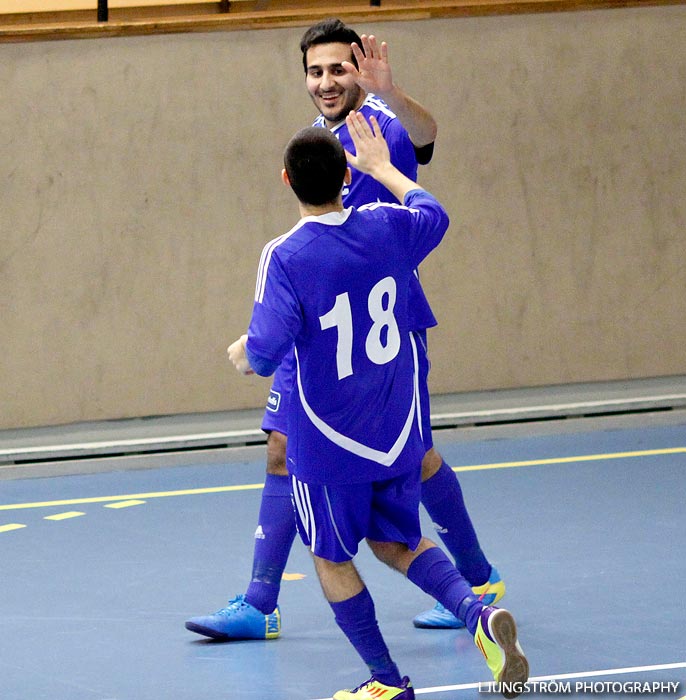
345 72
336 287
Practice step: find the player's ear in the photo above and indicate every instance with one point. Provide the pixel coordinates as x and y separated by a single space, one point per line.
284 177
348 177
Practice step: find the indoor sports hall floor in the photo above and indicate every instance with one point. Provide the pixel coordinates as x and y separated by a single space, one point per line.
102 558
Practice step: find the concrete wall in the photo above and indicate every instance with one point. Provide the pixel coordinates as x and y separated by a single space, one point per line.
139 180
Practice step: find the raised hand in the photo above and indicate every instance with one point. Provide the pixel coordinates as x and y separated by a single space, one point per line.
373 73
371 149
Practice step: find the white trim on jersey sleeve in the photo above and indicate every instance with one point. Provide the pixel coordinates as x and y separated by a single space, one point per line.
379 105
263 266
392 205
358 448
371 100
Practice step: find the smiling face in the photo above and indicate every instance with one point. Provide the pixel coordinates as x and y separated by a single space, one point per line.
333 91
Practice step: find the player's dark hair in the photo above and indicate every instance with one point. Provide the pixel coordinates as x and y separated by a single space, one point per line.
329 31
315 163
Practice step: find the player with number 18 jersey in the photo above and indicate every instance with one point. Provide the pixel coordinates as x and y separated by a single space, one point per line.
338 285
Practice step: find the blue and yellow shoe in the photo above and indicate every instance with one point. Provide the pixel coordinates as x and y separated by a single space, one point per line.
440 618
496 639
491 591
374 690
238 620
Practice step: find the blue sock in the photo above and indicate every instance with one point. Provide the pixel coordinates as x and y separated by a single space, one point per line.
443 500
356 616
273 539
436 575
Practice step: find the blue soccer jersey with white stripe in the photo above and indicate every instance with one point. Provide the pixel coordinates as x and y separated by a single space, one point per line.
338 285
364 188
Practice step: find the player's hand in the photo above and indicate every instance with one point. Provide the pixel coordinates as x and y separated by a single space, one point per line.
373 73
371 149
237 355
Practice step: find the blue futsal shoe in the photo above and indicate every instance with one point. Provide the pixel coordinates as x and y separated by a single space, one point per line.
238 620
440 618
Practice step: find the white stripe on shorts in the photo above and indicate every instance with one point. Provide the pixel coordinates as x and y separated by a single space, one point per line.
301 497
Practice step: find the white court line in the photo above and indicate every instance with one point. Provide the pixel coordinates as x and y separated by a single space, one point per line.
258 434
557 677
558 407
132 442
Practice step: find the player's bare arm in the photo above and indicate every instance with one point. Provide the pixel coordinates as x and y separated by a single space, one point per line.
375 75
372 155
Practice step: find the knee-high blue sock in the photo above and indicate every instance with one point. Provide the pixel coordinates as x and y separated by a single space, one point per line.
436 575
356 616
273 539
443 500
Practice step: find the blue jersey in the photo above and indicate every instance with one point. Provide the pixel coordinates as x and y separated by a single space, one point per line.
364 188
338 286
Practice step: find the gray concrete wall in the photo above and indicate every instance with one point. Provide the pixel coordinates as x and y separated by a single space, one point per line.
139 180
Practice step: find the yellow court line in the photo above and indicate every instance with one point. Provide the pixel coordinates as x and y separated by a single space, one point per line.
252 487
11 526
131 496
578 458
125 504
64 516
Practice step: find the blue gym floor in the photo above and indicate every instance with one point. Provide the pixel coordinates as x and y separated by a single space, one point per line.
584 519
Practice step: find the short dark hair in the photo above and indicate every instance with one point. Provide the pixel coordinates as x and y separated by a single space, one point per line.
316 164
329 31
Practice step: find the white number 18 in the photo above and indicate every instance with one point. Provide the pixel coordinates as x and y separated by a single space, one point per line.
380 303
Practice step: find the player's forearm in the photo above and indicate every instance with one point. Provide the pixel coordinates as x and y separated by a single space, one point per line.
417 120
394 181
373 157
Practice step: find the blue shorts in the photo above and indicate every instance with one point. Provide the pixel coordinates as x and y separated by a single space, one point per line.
276 411
333 520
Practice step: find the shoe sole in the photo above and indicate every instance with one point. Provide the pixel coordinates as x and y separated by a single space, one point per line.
429 626
516 668
221 636
458 625
206 631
